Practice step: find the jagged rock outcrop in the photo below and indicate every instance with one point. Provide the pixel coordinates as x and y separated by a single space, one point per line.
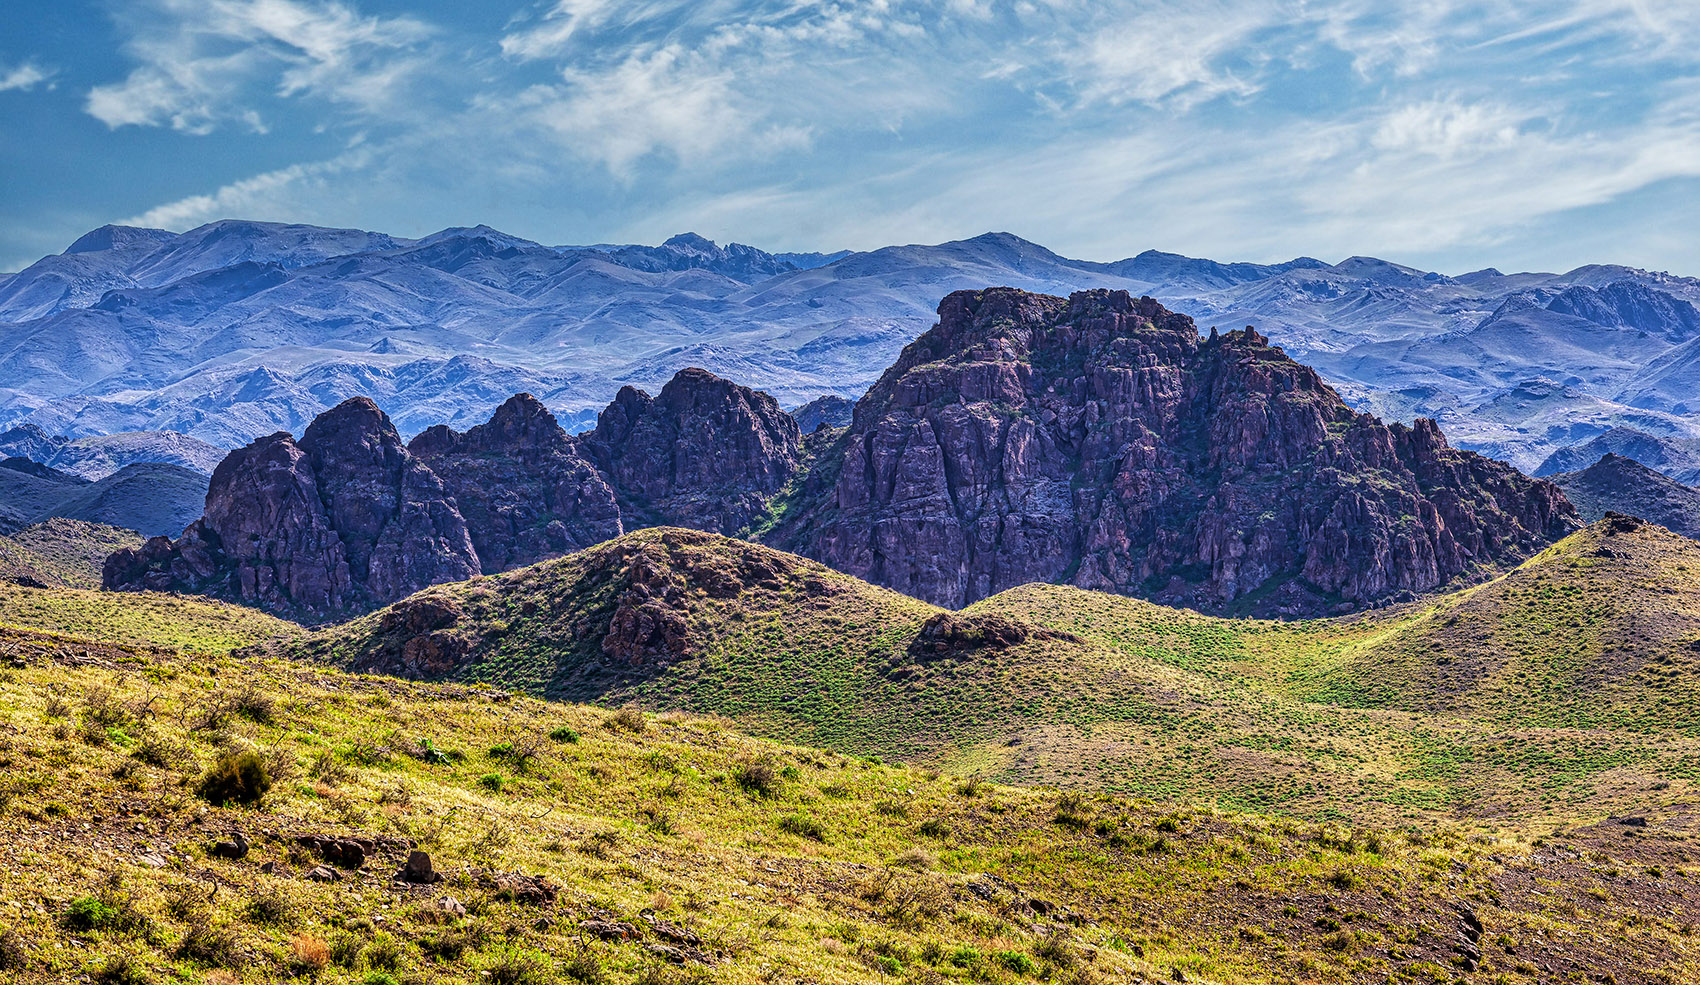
348 518
525 486
704 453
340 521
1097 440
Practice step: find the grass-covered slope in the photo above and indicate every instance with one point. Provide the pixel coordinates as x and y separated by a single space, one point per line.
61 552
581 844
140 619
1054 685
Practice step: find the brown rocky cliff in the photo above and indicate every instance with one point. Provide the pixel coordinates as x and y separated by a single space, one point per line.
526 488
339 522
704 453
1098 440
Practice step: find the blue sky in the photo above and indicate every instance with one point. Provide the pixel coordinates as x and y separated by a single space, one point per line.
1444 134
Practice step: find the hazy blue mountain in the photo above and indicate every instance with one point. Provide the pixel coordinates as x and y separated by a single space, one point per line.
98 456
237 329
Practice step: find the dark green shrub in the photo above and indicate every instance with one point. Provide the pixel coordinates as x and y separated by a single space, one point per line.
492 782
270 907
564 734
237 778
757 777
1015 961
90 913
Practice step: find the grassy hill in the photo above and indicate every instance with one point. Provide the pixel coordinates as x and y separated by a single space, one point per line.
61 552
1383 718
586 844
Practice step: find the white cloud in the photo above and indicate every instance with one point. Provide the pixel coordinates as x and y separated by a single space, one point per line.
199 63
557 27
281 195
24 77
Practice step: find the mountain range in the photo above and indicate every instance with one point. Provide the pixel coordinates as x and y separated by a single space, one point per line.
239 329
1097 440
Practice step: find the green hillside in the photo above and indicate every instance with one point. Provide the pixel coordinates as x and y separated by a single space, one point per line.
1054 685
582 844
62 553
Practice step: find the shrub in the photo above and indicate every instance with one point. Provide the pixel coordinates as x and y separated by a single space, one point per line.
121 970
757 777
627 719
522 968
803 827
269 907
209 945
90 913
934 828
237 777
964 957
156 750
564 734
1015 961
346 949
255 705
309 953
492 782
384 952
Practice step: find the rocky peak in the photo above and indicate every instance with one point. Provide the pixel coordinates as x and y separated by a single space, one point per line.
342 520
525 486
705 453
1097 440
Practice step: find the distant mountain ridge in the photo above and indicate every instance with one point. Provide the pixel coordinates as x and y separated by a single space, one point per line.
238 329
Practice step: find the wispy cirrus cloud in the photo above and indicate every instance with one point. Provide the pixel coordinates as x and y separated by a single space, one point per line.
1240 128
200 64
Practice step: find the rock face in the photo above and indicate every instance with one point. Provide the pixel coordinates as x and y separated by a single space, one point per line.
523 484
1099 441
343 520
704 453
349 519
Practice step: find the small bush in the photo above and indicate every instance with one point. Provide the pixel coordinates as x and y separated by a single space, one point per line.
345 951
121 970
237 777
934 828
565 735
255 705
627 720
328 769
270 907
964 957
309 953
522 968
492 782
384 952
803 827
90 913
1015 961
209 945
156 750
757 777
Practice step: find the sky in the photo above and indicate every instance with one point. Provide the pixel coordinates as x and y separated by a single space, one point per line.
1448 135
